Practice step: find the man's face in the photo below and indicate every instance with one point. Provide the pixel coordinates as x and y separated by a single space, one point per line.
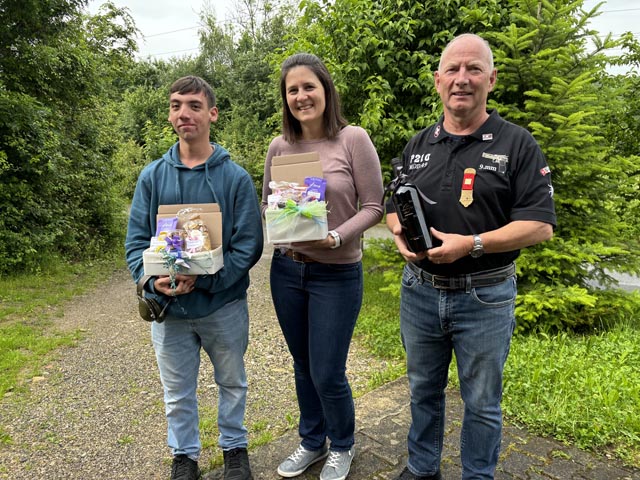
465 78
190 115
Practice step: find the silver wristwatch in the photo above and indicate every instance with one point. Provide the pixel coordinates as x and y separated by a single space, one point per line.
336 238
478 248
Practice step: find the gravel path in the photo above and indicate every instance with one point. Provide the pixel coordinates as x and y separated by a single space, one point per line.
96 411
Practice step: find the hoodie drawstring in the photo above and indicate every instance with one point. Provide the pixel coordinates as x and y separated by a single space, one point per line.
172 158
206 175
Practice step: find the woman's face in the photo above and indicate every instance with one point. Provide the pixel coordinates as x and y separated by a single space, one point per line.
305 97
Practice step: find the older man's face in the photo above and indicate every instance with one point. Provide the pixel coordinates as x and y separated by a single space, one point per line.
465 78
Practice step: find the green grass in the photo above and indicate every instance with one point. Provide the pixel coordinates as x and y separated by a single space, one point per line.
28 303
125 440
581 389
260 433
23 348
378 327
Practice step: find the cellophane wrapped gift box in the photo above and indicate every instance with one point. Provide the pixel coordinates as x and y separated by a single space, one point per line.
195 250
295 223
294 215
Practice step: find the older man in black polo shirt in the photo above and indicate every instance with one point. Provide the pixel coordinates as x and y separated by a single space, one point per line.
492 195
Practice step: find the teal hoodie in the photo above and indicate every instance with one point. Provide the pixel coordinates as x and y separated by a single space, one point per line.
219 180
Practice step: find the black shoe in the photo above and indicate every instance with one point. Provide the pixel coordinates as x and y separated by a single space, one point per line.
236 464
183 468
407 475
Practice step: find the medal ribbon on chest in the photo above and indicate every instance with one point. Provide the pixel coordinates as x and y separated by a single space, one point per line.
466 194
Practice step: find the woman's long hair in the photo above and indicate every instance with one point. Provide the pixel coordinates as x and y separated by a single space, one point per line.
332 116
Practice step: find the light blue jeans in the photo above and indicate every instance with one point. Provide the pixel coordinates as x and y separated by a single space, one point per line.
224 336
476 324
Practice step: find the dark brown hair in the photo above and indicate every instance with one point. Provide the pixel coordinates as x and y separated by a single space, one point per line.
333 119
193 84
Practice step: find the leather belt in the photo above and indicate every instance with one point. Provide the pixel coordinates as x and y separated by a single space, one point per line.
471 280
297 256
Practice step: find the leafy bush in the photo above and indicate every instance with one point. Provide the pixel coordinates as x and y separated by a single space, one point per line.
383 54
56 131
539 307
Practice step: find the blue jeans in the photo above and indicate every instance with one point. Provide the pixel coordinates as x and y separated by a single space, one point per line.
477 325
317 306
224 336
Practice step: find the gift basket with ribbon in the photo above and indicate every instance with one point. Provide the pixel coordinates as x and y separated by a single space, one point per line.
296 213
187 241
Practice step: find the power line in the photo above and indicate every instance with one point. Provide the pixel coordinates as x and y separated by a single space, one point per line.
170 31
169 53
621 10
221 21
159 34
615 36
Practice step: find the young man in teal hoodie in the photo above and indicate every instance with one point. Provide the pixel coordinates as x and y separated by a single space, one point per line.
204 311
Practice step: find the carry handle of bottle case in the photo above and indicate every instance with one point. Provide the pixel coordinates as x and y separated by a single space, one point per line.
396 181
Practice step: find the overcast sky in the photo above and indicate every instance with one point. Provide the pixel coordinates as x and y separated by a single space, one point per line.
617 16
170 28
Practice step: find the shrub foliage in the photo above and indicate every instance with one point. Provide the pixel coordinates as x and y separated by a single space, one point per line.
550 82
79 119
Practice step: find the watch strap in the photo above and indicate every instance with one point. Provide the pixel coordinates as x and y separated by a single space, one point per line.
336 238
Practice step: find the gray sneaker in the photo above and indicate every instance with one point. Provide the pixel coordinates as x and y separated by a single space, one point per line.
337 465
300 460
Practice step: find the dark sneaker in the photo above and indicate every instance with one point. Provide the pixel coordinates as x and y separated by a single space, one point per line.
300 460
337 465
236 464
183 468
407 475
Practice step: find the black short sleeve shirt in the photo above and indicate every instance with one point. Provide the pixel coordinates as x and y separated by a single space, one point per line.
511 181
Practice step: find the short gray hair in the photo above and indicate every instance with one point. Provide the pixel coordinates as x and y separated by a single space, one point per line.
468 35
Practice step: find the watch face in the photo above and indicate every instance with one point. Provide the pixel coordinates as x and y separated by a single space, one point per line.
478 248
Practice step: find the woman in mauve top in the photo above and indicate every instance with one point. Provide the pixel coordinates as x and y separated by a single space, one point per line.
317 285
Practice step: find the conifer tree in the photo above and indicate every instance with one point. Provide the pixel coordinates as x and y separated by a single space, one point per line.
550 81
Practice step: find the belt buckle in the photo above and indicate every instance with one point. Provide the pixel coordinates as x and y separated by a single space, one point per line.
448 283
440 282
297 257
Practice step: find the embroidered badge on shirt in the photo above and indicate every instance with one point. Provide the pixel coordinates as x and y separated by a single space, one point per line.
501 160
487 136
436 134
466 194
545 171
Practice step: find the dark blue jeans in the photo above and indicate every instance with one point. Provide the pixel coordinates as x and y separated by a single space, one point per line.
317 306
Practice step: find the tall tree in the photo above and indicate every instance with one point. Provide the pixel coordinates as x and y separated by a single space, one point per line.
552 84
57 70
383 53
622 124
237 58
